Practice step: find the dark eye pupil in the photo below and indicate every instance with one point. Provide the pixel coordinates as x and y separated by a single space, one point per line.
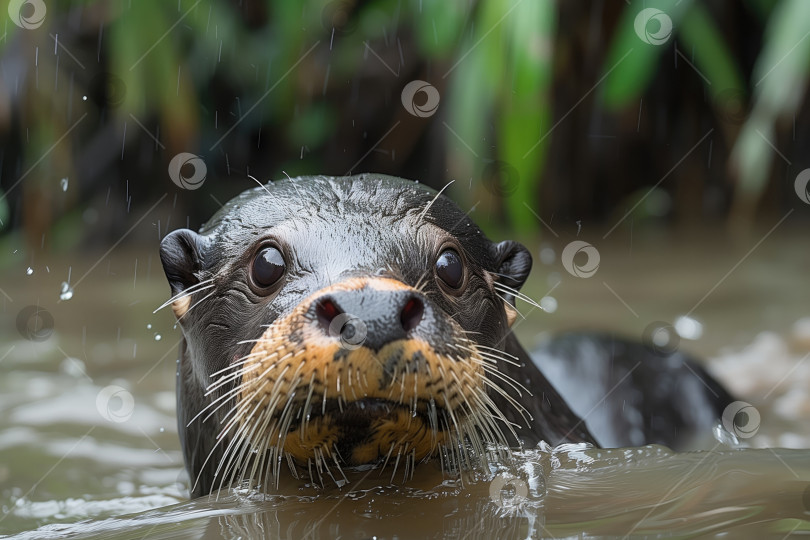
450 269
268 267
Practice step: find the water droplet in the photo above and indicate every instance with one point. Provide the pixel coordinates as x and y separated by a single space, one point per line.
148 326
64 183
29 271
549 304
73 367
67 291
158 337
688 328
162 430
84 98
724 436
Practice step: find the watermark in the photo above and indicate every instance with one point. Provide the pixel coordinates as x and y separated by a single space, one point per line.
742 419
187 170
653 26
28 14
113 87
500 178
351 330
661 338
431 101
34 323
732 106
115 404
802 185
584 269
337 17
508 491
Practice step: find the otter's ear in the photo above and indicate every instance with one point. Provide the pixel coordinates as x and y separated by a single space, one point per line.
514 262
181 253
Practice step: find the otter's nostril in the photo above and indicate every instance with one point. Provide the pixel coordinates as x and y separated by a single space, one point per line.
411 314
326 310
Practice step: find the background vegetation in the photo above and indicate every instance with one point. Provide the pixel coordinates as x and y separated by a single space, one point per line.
538 117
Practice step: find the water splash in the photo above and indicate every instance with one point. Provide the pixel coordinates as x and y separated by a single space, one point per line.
724 436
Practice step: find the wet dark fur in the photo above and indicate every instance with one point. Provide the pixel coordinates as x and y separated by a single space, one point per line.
331 229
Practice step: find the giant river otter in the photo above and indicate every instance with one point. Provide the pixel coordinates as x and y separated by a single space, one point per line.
331 322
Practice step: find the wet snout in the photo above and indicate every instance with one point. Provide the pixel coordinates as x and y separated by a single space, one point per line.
370 317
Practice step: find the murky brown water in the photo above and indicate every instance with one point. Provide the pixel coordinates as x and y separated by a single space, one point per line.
79 460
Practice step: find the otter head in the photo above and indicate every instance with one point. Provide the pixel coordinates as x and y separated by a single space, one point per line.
333 322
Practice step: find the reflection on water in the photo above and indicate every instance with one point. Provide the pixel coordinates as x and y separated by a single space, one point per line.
89 448
554 492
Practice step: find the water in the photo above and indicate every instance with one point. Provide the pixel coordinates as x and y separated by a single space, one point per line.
88 442
554 492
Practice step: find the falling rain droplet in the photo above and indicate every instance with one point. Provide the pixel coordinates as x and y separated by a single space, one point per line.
158 337
148 326
29 271
67 291
64 183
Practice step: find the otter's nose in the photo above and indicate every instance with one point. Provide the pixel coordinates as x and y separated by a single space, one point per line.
369 317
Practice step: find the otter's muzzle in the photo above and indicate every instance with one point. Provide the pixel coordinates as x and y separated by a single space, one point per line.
363 369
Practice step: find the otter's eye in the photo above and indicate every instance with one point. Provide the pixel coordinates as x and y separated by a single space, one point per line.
268 267
450 268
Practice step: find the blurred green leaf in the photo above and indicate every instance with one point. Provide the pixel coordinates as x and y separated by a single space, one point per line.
780 81
630 61
4 210
471 100
438 25
513 40
700 35
527 108
780 74
145 53
752 157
